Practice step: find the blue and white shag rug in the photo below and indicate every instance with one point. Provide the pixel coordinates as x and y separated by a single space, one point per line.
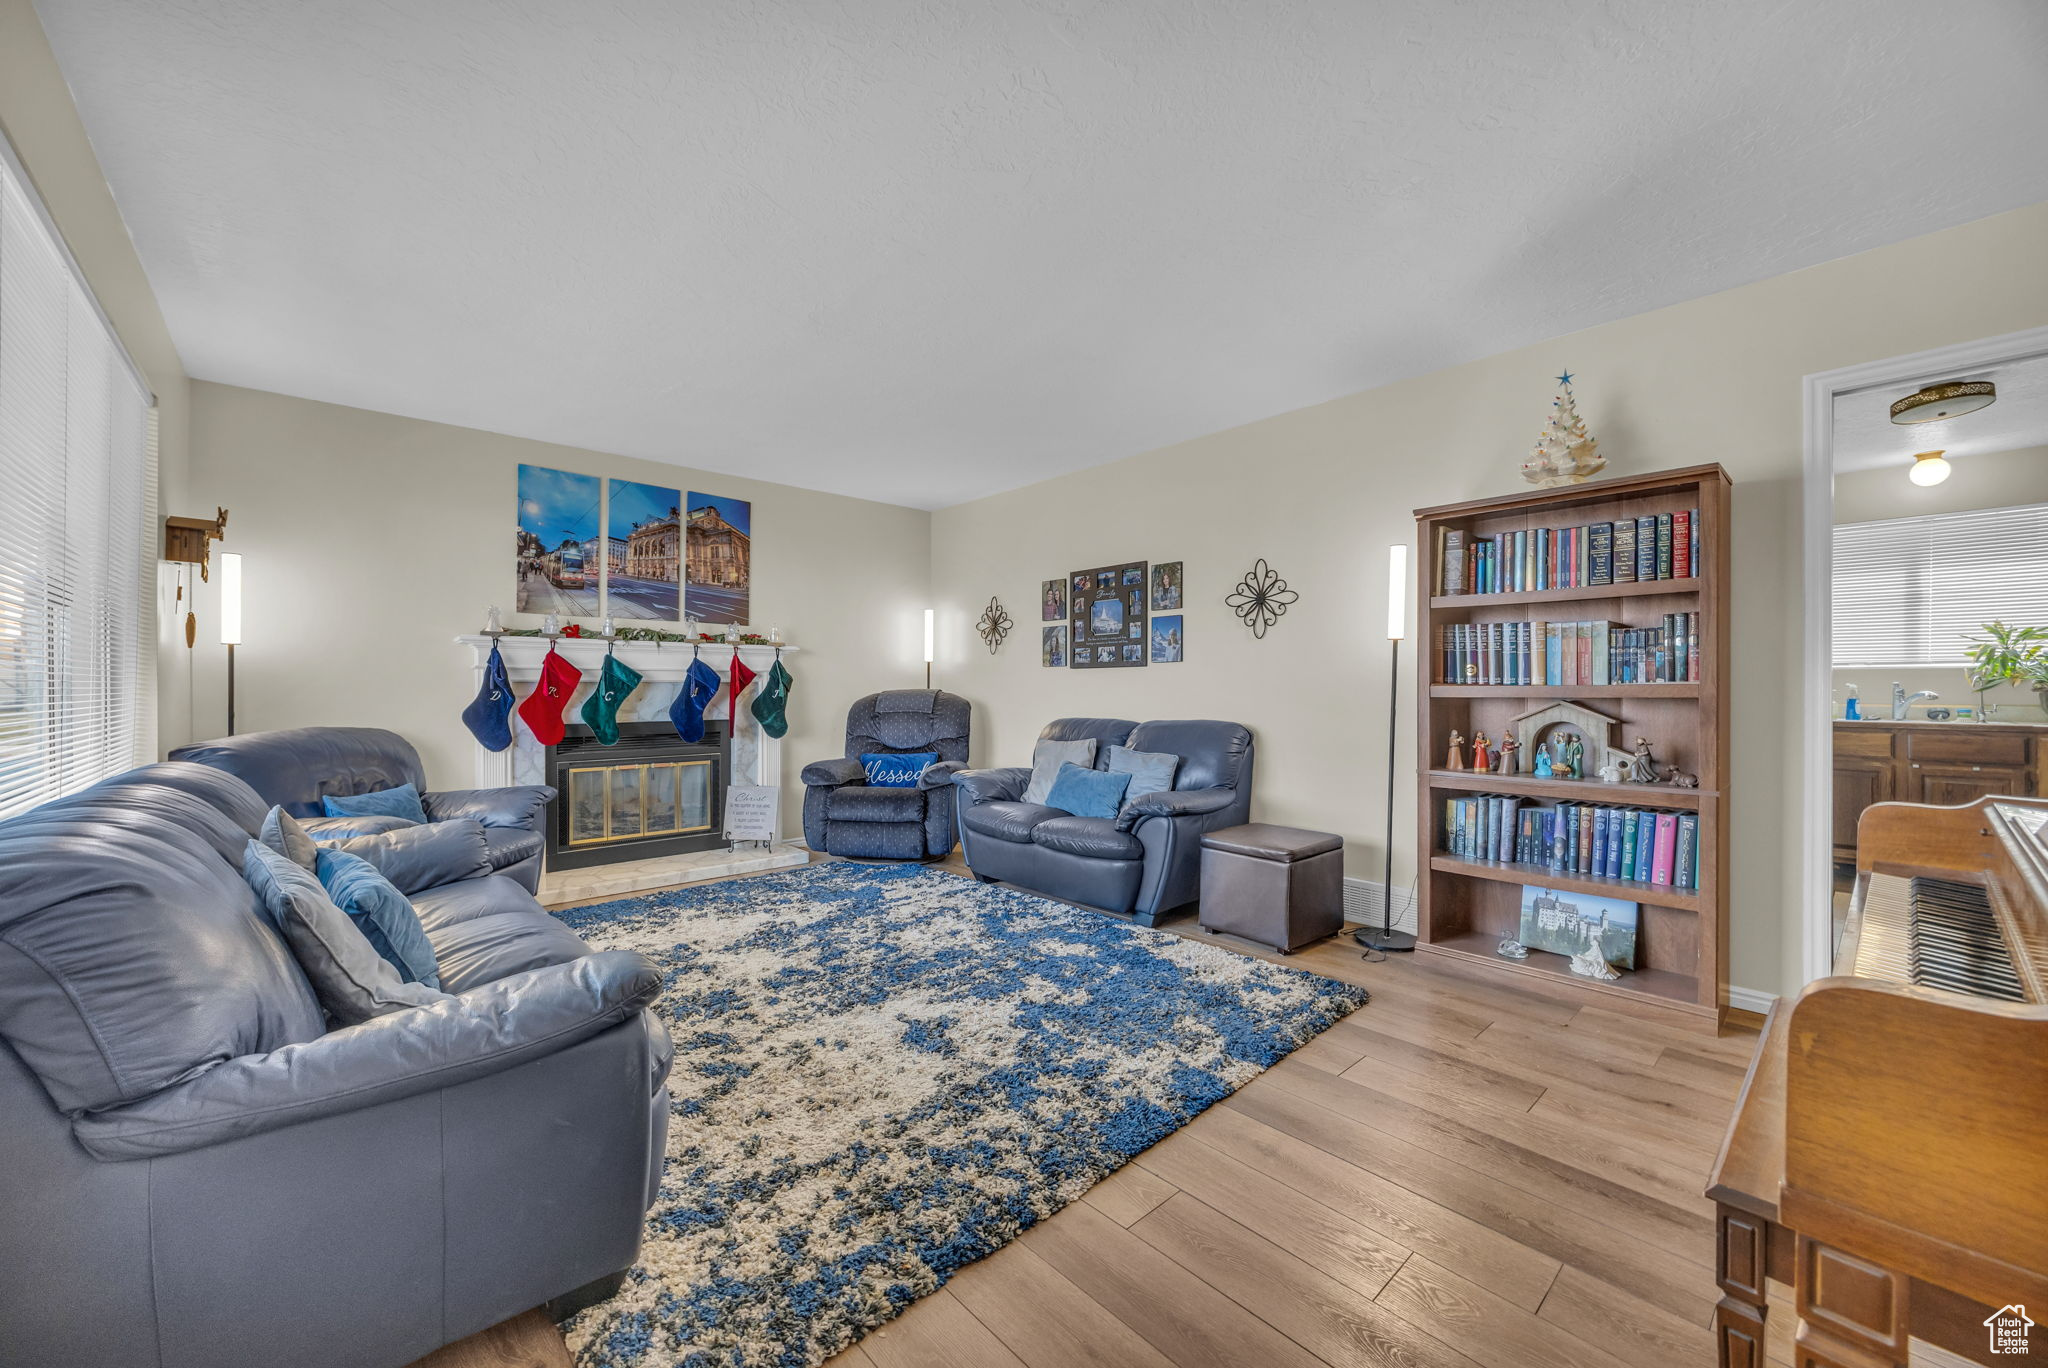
884 1073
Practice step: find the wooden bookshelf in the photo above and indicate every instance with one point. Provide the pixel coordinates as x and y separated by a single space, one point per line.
1466 907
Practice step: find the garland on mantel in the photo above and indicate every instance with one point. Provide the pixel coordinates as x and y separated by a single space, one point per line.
574 632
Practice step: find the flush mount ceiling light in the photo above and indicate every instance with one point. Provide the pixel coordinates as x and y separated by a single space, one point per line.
1928 468
1950 399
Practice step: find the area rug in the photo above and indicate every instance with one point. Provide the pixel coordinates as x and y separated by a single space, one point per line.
884 1073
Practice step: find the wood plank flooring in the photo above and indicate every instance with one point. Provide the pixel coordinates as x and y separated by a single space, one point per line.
1460 1175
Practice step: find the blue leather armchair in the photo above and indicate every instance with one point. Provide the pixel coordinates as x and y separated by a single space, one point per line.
1147 860
843 815
297 767
199 1174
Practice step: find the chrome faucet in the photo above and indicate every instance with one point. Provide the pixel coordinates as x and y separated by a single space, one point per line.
1900 701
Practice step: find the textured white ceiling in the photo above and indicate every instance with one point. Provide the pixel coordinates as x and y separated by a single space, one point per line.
1866 438
926 251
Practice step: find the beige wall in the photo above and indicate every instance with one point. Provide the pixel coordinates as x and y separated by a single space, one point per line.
2002 479
1323 491
372 541
39 118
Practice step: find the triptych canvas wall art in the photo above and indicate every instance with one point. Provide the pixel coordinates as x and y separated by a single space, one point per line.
661 557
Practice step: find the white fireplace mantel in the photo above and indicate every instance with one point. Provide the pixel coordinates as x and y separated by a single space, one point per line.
756 756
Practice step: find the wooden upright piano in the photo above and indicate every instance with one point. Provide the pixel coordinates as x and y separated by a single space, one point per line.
1888 1156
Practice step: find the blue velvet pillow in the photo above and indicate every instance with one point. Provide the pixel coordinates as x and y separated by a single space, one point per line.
897 771
381 913
403 801
1087 792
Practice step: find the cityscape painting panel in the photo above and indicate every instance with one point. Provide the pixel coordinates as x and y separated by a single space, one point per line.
1567 923
718 538
643 551
558 513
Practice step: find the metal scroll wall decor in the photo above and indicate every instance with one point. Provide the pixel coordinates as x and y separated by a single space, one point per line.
1260 598
995 625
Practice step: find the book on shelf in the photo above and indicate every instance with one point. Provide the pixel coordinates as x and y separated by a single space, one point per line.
1633 844
1531 653
1660 546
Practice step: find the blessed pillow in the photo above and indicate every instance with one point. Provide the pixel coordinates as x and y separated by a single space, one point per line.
897 771
282 833
1046 759
1087 792
403 801
381 913
351 980
1150 771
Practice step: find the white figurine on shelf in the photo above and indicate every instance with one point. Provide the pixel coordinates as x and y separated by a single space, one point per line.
550 626
1590 963
492 627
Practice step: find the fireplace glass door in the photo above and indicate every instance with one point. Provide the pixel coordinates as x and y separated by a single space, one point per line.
633 802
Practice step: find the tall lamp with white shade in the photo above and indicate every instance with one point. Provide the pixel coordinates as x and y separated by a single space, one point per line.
1386 938
927 648
231 619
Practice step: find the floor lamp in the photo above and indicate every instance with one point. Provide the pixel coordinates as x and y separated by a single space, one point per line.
231 620
1386 939
927 648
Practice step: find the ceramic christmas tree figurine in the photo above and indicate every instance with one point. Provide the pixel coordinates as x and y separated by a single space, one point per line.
1565 454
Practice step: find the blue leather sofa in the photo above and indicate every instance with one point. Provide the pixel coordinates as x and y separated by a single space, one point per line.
199 1174
297 767
843 815
1146 860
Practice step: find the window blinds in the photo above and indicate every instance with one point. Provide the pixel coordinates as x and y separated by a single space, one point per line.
1910 591
76 551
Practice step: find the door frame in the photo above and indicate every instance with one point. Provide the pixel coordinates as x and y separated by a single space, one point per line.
1820 390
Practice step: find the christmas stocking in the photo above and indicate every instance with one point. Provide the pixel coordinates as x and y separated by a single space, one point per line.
489 715
601 709
772 702
735 685
700 685
542 709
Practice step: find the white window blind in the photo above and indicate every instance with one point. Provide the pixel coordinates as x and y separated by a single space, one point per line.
1910 591
76 554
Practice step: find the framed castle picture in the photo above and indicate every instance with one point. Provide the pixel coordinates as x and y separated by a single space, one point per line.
1108 616
1567 923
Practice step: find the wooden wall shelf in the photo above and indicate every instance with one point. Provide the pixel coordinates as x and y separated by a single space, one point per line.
1467 907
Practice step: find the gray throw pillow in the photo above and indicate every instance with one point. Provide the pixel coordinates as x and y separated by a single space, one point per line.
349 977
282 833
1046 759
1150 771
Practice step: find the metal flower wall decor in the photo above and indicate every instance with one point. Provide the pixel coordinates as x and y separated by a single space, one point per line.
1260 598
995 625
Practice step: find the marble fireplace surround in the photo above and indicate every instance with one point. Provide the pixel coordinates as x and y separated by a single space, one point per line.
756 756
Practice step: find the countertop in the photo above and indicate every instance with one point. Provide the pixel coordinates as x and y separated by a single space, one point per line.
1965 724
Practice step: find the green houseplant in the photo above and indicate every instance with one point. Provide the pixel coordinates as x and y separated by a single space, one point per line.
2005 654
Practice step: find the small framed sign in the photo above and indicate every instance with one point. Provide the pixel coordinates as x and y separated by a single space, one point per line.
751 811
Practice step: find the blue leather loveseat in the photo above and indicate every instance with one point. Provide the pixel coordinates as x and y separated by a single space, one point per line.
297 767
1147 859
200 1174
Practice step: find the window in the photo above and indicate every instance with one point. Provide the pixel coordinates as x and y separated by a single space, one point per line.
1910 591
77 563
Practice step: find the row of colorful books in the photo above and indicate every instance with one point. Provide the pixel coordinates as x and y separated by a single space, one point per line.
1561 654
1639 844
1658 546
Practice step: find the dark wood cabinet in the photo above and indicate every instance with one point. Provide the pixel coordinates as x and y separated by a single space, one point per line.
1944 763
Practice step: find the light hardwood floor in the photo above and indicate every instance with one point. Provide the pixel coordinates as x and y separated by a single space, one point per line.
1459 1174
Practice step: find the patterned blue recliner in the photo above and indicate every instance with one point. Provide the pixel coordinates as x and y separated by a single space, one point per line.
843 815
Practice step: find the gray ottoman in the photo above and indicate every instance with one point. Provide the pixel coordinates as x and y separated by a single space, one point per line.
1280 886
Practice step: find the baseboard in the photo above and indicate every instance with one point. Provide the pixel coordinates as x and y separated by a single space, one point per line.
1750 999
1362 905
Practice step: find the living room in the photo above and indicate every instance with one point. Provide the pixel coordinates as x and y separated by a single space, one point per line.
779 685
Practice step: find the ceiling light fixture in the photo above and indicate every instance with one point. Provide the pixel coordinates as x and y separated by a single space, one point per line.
1950 399
1928 468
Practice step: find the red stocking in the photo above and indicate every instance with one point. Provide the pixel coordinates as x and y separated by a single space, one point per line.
736 684
542 709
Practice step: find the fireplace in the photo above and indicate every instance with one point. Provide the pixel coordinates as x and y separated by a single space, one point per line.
651 794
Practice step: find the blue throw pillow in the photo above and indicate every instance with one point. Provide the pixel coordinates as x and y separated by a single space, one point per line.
403 801
1150 771
1087 792
897 771
381 913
